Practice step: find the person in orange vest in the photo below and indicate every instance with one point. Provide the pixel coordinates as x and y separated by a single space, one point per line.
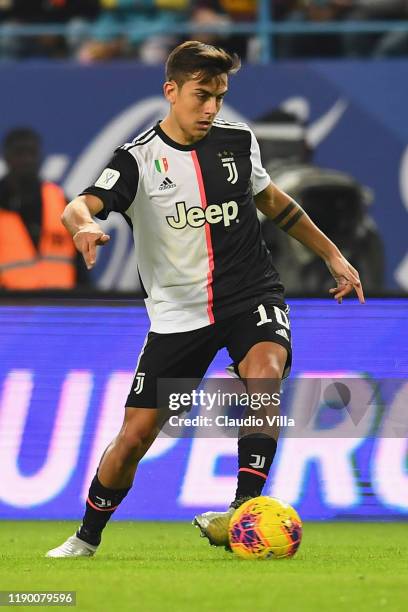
36 251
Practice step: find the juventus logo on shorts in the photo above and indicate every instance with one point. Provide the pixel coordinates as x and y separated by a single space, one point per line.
259 461
228 161
139 383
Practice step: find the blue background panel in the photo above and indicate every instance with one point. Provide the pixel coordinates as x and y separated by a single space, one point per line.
64 375
355 113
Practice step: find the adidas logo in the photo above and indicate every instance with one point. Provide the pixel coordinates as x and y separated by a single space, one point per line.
283 333
167 184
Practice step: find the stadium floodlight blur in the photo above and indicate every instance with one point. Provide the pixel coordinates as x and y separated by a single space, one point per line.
265 28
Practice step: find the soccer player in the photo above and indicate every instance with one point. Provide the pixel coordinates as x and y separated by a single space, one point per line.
190 186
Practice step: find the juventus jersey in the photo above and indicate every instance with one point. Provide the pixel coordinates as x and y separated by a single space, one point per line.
198 240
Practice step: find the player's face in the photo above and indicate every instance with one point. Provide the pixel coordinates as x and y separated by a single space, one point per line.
195 105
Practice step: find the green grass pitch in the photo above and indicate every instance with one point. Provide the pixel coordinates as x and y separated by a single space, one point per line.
168 567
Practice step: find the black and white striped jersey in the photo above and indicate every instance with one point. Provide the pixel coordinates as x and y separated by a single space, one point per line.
198 241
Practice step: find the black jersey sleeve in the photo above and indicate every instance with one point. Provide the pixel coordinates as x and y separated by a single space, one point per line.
117 185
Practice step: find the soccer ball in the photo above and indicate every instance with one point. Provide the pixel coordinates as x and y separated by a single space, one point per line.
265 528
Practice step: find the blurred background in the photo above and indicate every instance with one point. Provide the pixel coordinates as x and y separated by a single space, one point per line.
324 85
80 78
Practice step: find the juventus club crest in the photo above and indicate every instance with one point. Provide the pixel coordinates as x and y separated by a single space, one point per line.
228 161
139 382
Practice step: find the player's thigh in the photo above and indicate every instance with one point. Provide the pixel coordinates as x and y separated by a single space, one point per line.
256 332
184 355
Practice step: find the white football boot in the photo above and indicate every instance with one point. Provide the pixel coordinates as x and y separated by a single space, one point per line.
214 526
72 547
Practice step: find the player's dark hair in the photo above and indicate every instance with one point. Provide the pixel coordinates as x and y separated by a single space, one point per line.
20 134
201 62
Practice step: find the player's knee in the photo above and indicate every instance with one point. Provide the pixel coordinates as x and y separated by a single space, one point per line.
265 368
264 361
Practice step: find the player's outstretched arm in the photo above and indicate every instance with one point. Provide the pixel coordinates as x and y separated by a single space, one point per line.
291 218
86 233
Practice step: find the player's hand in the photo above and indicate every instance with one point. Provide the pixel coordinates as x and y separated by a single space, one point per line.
346 277
87 239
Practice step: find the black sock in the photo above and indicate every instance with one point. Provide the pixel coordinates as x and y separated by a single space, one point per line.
255 456
100 505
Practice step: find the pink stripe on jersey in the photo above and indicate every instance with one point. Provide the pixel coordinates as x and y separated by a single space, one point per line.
210 251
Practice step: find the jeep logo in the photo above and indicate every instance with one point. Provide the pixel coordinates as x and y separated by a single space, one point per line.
197 216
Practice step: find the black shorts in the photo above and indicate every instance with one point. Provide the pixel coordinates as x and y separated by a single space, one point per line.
189 354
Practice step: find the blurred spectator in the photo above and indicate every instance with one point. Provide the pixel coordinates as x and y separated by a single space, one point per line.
138 17
351 45
379 45
36 251
322 45
222 12
74 13
107 29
